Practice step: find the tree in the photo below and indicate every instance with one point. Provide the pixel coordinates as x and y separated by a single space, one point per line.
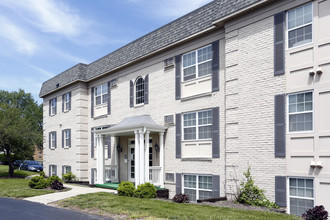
20 126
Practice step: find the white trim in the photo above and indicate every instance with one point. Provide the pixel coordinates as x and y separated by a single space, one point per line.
197 189
101 94
197 126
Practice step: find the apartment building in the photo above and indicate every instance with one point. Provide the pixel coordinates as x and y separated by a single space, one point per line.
191 105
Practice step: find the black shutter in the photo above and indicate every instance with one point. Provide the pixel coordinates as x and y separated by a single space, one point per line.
178 77
280 191
50 107
92 143
63 138
215 133
92 176
215 186
69 100
178 185
178 135
49 171
279 125
55 167
50 139
109 99
131 94
70 138
55 106
146 89
215 66
55 139
279 46
92 102
63 96
108 142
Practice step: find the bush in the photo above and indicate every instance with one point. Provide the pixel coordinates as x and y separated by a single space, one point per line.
57 185
42 173
69 176
316 213
51 179
251 194
146 190
38 182
126 189
181 198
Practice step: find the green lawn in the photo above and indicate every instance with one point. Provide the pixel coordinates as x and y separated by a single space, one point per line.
18 188
152 208
17 173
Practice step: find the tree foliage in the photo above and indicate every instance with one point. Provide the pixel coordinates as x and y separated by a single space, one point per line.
20 126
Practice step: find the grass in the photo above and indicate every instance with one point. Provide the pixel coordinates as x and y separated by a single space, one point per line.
154 209
17 173
18 188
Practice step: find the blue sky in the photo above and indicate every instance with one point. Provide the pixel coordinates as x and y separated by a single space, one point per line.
41 38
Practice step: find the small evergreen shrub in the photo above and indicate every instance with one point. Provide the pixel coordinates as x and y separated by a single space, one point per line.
38 182
181 198
42 173
316 213
57 185
126 188
250 194
146 190
51 179
69 176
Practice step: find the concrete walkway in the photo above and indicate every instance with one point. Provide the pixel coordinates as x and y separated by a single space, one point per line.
75 190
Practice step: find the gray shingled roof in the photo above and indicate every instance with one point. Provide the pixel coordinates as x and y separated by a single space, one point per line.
179 29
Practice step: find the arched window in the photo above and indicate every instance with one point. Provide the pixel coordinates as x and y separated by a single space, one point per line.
139 91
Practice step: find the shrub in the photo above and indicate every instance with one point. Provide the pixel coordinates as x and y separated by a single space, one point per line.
42 173
51 179
69 176
146 190
251 194
126 189
316 213
181 198
57 185
37 182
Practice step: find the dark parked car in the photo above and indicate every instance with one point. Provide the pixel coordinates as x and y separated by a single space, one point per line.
31 165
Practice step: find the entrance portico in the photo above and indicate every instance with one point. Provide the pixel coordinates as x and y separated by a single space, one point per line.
141 127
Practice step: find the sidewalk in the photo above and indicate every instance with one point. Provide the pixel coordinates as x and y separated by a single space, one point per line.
75 190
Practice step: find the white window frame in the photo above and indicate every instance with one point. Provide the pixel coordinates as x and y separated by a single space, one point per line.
196 126
66 101
296 113
101 95
53 139
53 106
298 197
196 64
288 30
67 138
135 91
197 184
52 170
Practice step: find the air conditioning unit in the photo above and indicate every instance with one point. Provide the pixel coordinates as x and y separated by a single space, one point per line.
113 83
168 63
169 119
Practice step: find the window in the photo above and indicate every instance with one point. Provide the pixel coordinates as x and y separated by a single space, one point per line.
301 195
52 139
197 125
67 101
300 25
67 138
197 63
66 169
198 186
52 170
139 91
52 108
301 112
101 94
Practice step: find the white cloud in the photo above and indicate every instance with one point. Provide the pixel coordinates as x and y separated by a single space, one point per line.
42 71
21 39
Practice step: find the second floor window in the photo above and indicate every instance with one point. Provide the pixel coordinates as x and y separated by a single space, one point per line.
197 63
197 125
67 101
67 138
139 91
101 94
52 106
52 139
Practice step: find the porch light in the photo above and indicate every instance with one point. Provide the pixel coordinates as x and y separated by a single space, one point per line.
119 149
156 147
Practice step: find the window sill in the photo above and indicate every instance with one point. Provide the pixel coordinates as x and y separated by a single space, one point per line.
101 116
101 105
52 115
209 76
52 148
65 111
196 96
197 159
139 105
169 183
66 147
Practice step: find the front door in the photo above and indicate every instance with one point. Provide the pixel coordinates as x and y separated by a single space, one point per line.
131 163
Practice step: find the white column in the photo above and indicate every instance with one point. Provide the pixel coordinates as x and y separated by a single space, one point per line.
146 160
142 175
161 158
117 157
100 159
137 159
